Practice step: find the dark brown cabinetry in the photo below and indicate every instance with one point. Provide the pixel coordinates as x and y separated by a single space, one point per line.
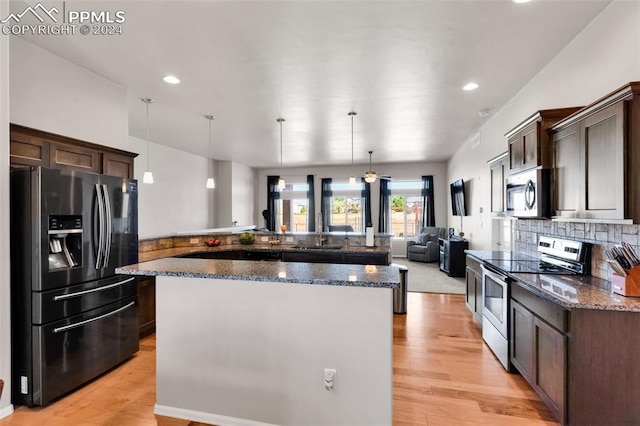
539 351
327 257
146 305
473 293
498 168
31 147
579 361
590 171
529 143
452 256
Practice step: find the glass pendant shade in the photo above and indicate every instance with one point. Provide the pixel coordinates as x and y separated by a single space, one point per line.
370 176
148 177
211 184
281 184
352 181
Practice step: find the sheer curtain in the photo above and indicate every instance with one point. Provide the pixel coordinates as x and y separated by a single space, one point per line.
272 197
428 210
385 208
311 197
325 206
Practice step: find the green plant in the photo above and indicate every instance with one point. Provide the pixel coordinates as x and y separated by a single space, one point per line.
246 238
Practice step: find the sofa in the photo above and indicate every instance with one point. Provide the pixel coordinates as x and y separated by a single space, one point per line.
425 248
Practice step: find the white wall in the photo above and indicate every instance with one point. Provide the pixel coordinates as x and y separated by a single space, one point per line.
236 194
603 57
405 171
5 322
50 93
262 357
178 200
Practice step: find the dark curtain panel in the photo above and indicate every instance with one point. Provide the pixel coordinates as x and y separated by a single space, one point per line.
311 211
428 209
366 202
325 206
272 196
385 196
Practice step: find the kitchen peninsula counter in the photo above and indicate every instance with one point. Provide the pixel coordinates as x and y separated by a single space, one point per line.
568 291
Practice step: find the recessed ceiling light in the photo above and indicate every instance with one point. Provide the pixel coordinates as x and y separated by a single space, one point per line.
521 1
171 79
470 86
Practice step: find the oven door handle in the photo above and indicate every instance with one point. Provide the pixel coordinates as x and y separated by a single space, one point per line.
85 322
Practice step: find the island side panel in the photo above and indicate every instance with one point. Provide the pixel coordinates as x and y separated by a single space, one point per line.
246 350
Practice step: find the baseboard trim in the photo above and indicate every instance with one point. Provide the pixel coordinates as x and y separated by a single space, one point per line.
8 410
199 416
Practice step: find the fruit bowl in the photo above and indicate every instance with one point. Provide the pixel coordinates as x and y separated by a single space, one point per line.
212 242
246 238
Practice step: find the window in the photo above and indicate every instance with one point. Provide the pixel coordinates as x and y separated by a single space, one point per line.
406 208
347 206
293 207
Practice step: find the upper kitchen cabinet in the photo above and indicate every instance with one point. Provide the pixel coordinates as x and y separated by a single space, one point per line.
498 168
529 144
596 157
31 147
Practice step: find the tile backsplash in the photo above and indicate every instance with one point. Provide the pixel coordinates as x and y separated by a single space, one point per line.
601 235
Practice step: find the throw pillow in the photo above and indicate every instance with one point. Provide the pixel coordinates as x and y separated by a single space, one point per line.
423 239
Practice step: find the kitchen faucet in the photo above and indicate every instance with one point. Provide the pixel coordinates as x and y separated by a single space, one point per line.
319 226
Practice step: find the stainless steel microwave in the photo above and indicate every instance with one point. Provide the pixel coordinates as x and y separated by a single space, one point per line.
528 194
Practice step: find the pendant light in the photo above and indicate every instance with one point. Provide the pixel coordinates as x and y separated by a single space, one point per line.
211 184
281 182
352 179
148 176
370 176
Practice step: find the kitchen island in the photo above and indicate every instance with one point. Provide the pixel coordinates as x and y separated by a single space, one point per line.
247 342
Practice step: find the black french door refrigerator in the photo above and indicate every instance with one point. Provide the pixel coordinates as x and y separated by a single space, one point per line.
72 317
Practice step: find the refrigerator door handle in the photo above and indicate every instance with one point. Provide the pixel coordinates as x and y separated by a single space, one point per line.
101 229
93 290
85 322
108 226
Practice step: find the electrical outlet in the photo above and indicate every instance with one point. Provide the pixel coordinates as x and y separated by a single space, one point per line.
289 239
194 241
264 239
330 379
24 385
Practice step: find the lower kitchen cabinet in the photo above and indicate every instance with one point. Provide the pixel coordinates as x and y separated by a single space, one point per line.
146 305
337 257
473 293
580 362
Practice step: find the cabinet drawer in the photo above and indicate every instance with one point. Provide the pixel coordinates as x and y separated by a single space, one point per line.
474 265
553 314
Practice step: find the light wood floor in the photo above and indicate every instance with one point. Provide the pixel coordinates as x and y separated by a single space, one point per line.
443 375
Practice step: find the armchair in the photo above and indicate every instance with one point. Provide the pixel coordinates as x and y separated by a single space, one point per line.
425 248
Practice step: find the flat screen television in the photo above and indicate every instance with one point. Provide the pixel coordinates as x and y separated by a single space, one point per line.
457 198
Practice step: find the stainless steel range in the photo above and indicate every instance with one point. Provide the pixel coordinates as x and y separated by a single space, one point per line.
556 256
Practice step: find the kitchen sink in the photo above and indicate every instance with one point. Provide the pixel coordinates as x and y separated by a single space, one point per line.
325 247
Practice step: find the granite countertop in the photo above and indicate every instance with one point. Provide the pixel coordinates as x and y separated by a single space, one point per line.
568 291
285 272
180 251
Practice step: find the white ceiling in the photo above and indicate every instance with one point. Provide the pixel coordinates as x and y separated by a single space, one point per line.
399 64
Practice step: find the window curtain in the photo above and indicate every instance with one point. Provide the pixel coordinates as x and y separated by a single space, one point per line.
428 210
325 206
385 208
272 197
311 211
366 202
